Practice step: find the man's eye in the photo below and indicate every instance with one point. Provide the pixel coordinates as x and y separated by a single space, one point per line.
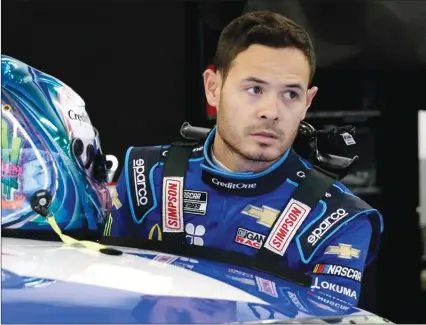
291 95
256 90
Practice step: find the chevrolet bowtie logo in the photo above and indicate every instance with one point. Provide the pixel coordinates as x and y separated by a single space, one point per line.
343 251
265 215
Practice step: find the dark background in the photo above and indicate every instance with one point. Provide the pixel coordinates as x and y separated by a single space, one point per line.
138 65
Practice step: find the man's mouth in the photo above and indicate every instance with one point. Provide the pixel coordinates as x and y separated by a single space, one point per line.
266 134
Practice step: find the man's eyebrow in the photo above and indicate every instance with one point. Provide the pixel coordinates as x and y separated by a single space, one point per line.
296 85
263 82
257 80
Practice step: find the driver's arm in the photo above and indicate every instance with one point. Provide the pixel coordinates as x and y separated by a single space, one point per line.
337 267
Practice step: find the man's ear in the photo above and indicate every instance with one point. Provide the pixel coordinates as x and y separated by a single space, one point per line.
212 85
310 96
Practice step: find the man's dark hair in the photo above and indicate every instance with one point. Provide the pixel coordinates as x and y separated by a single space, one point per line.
264 28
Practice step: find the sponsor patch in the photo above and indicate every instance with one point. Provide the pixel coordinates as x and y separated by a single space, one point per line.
316 233
195 202
73 110
325 225
139 176
348 138
327 302
195 234
165 259
139 163
267 287
334 287
286 226
265 215
233 186
339 304
343 251
339 270
155 229
172 204
249 238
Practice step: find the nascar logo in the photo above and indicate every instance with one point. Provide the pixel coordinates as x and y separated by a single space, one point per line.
339 270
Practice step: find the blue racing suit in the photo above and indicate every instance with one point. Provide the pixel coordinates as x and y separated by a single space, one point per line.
241 212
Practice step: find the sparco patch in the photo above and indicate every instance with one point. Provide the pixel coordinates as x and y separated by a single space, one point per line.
320 230
139 163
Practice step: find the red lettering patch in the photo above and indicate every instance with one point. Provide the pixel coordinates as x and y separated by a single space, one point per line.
267 287
172 205
286 226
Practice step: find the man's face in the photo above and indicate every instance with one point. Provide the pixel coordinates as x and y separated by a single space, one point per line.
262 101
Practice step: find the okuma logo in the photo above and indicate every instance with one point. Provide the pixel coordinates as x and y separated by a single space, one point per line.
334 287
10 154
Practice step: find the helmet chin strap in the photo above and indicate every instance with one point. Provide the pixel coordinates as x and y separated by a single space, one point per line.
40 202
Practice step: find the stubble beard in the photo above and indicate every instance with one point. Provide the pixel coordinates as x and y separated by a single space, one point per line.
250 158
231 141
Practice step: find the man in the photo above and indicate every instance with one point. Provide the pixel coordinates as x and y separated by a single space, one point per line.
234 193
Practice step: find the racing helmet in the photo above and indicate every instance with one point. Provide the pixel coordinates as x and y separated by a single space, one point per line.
49 143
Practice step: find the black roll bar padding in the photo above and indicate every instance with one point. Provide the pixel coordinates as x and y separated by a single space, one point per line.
190 132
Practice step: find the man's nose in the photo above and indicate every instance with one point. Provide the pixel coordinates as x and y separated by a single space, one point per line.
268 109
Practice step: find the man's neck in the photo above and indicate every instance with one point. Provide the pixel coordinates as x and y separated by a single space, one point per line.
217 162
228 159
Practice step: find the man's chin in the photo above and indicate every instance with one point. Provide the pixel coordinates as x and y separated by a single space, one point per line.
266 156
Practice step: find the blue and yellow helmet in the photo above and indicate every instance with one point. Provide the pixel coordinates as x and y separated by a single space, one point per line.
48 143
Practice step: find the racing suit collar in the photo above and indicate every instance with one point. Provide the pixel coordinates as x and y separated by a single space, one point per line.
246 183
216 162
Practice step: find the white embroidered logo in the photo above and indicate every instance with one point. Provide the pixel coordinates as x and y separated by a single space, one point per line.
195 234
